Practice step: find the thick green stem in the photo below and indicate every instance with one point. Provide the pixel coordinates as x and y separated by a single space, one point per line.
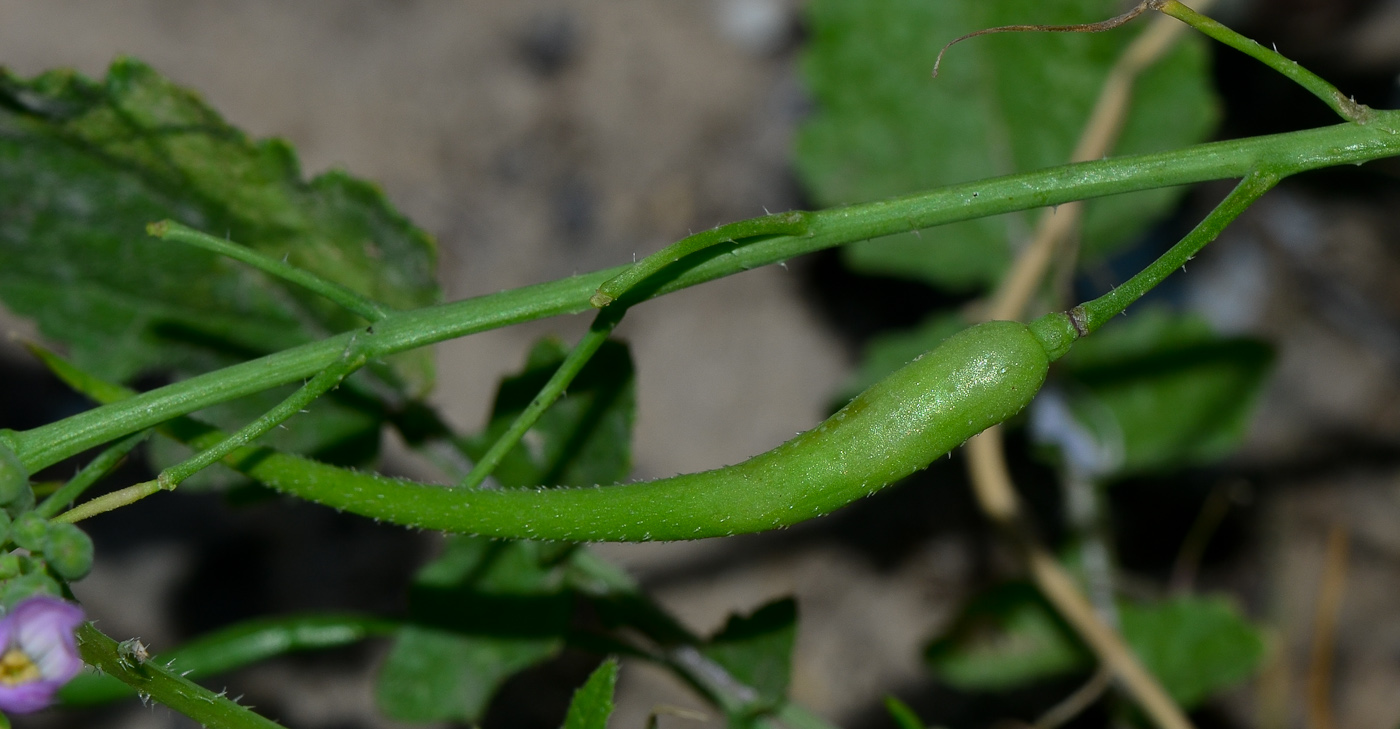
215 711
1287 153
365 307
587 346
792 223
1091 315
1342 104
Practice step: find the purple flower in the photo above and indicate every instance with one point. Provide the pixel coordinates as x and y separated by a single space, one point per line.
39 653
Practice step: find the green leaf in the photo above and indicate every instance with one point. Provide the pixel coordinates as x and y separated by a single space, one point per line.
481 613
1196 646
85 165
584 438
1002 104
1009 636
1167 388
593 702
1003 638
757 651
902 714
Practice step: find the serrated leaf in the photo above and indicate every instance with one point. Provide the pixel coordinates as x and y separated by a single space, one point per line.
584 438
1006 637
593 702
1196 646
756 649
1001 104
1173 392
481 613
85 165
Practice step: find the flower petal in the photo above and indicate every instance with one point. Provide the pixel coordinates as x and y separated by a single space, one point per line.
41 628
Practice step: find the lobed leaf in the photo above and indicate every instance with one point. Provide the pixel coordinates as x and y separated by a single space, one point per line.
85 165
479 614
756 649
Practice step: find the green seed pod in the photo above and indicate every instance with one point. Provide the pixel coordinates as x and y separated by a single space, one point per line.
30 531
977 378
68 551
14 479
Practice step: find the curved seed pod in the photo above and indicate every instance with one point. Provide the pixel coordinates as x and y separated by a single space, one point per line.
977 378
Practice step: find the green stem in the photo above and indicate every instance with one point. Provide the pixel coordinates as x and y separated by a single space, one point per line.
295 403
587 346
174 475
792 223
91 474
215 711
1288 153
109 502
1091 315
365 307
238 646
1342 104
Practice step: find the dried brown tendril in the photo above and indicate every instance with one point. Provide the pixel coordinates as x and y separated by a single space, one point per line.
1098 27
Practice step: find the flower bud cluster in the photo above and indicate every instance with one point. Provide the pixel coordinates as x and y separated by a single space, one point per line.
38 648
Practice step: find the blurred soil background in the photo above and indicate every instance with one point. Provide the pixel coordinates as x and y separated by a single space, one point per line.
539 138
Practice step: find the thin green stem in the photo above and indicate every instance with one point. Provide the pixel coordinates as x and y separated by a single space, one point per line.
365 307
237 646
791 223
1091 315
1341 103
215 711
587 346
171 477
295 403
109 502
1288 153
89 475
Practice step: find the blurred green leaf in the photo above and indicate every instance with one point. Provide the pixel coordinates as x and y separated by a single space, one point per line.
757 651
902 714
85 165
1167 388
1009 636
593 702
1196 646
481 613
1001 104
584 438
1003 638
